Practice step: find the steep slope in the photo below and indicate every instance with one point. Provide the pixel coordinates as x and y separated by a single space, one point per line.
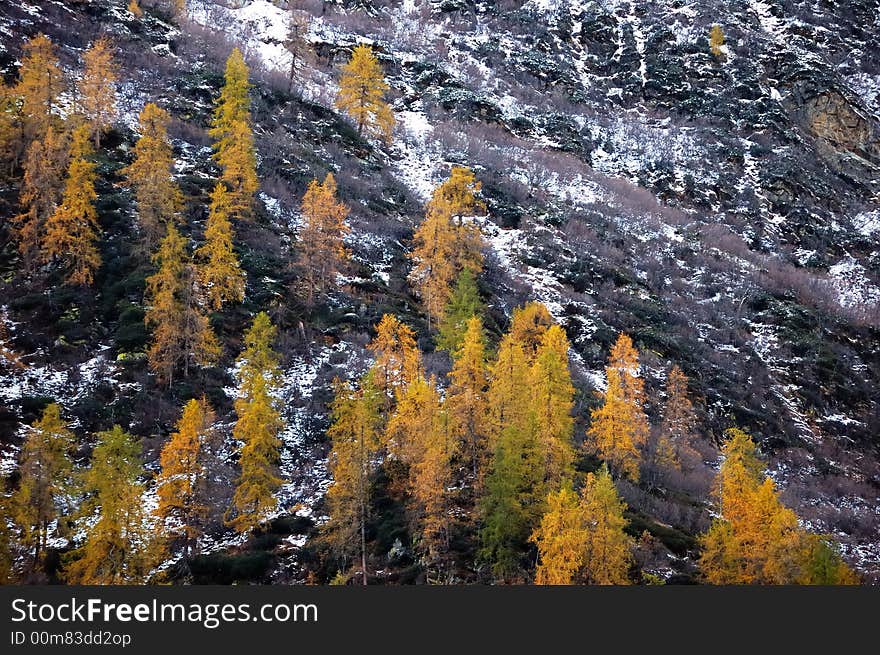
722 210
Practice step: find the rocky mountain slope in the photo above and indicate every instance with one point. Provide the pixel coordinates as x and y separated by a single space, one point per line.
723 210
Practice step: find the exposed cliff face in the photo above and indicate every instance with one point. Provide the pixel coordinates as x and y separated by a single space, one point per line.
721 209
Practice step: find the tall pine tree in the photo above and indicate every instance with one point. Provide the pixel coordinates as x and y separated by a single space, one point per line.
97 87
219 274
322 251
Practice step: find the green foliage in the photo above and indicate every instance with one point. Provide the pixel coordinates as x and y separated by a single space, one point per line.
464 303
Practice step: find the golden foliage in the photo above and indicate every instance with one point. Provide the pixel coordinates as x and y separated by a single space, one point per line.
362 88
72 231
322 251
97 87
219 273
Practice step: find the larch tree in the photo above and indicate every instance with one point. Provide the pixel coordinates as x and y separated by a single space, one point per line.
97 87
39 85
464 304
150 174
355 438
219 274
257 427
716 41
466 399
7 563
552 400
362 88
756 539
117 548
445 244
398 359
608 552
509 392
417 435
41 187
322 251
561 539
72 230
182 335
46 479
297 44
619 428
528 325
234 148
182 510
679 423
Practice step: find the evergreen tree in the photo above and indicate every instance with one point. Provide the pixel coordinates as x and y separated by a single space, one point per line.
552 399
362 87
182 509
46 480
41 187
97 87
219 273
464 304
234 140
608 552
510 506
561 539
150 174
117 547
39 85
72 230
257 427
355 437
182 336
322 250
7 571
466 400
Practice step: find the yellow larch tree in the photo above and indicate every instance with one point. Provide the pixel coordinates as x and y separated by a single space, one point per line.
231 129
150 174
528 325
608 553
619 428
40 82
219 273
117 548
509 391
182 335
72 230
322 251
355 438
46 478
41 187
756 539
561 539
551 401
258 427
97 87
444 244
716 41
466 400
362 88
182 508
398 359
417 435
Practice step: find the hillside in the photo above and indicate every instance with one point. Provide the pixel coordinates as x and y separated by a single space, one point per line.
723 210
